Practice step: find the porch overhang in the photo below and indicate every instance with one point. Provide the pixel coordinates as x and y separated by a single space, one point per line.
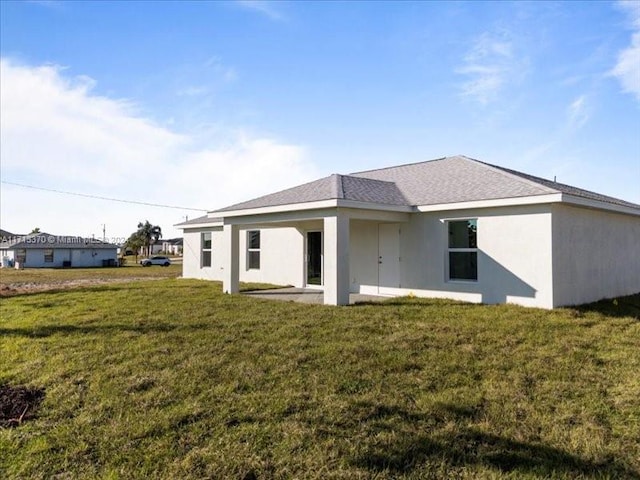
319 205
335 226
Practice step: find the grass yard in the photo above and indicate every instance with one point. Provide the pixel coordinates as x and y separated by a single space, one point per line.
19 282
57 275
172 379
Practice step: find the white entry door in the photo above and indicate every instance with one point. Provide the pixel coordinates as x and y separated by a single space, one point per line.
388 258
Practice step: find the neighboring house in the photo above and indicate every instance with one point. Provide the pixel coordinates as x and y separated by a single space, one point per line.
173 246
154 248
5 236
451 228
45 250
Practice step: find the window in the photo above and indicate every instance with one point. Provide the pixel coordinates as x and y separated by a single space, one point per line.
463 250
48 255
253 249
206 249
21 255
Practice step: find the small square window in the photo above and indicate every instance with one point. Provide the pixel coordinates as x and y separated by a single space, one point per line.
254 239
48 255
254 260
463 265
463 234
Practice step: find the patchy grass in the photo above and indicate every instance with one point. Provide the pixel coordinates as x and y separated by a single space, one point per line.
11 276
172 379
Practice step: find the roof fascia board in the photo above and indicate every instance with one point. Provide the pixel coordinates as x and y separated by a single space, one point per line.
289 207
217 223
280 217
333 203
375 206
599 205
498 202
202 227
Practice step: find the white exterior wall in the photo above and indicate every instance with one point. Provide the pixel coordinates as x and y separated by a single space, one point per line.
79 257
596 255
191 255
540 255
281 256
86 257
514 256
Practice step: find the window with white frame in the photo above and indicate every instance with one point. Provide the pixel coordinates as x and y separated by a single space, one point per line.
205 258
253 249
48 255
463 250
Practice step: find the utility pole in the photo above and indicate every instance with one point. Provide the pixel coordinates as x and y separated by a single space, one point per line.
104 233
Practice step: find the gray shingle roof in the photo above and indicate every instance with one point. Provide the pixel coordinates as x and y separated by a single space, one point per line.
332 187
445 180
569 190
46 240
452 180
199 221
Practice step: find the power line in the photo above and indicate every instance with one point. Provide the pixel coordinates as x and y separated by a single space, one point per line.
86 195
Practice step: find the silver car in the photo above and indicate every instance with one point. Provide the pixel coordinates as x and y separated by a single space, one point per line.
156 260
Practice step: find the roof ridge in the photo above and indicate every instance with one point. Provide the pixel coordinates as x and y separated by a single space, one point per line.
230 207
577 191
339 186
513 174
368 179
402 165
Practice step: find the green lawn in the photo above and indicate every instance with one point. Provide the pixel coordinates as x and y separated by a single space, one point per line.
172 379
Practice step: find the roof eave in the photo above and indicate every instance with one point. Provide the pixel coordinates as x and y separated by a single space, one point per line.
317 205
599 205
493 202
187 226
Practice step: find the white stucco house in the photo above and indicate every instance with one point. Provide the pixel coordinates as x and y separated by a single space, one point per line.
451 228
43 250
172 246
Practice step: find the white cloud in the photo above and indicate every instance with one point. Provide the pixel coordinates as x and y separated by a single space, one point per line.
489 66
627 68
578 113
262 6
57 133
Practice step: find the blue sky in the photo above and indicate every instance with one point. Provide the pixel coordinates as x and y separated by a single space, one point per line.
204 104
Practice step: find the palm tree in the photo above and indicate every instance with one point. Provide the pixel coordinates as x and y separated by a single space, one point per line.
149 234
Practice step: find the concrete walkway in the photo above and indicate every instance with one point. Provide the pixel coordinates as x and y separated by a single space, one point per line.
307 295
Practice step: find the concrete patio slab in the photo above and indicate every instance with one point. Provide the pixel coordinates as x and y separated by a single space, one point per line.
307 295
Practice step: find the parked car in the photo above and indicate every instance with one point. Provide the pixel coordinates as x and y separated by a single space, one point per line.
156 260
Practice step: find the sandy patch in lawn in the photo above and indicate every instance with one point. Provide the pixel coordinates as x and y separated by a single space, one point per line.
23 288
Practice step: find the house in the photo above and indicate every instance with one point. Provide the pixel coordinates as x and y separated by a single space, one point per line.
5 235
43 250
172 246
451 228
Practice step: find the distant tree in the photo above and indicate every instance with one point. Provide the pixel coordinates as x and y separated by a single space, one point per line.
149 234
135 242
35 230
